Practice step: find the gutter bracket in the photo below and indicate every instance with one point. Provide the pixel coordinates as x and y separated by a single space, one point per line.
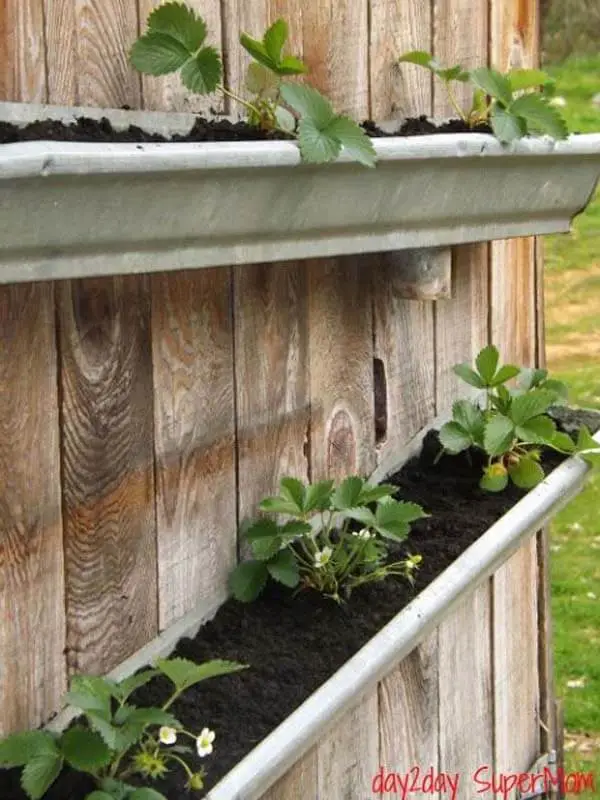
546 768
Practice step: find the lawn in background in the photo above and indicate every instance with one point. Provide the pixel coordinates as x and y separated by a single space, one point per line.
572 285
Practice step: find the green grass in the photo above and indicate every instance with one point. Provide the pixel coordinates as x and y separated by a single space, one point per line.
573 343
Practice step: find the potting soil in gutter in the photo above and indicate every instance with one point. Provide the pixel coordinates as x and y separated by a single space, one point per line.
280 637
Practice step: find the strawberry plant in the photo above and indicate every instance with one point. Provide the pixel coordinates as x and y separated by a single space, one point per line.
515 104
118 740
314 546
175 41
513 423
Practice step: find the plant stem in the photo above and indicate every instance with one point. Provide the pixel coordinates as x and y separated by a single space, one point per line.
455 104
233 96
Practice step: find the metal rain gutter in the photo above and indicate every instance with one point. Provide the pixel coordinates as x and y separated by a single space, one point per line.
70 209
289 742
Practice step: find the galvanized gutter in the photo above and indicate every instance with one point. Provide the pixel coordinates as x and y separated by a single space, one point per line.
75 209
288 743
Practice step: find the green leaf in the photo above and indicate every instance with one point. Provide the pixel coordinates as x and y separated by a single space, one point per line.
540 117
127 686
526 406
456 73
419 57
278 505
348 493
371 494
470 419
393 518
487 363
294 491
91 693
363 515
318 496
145 793
248 580
290 65
353 139
308 102
506 126
499 435
275 38
262 529
115 737
118 790
284 568
19 748
85 750
261 81
502 401
184 673
494 479
493 83
561 391
468 375
521 79
585 441
504 374
181 23
562 441
539 430
316 145
40 773
158 54
202 73
526 473
141 717
258 51
294 529
285 119
454 438
99 795
263 549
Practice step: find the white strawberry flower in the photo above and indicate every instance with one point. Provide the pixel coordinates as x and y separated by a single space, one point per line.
167 735
363 534
204 742
323 557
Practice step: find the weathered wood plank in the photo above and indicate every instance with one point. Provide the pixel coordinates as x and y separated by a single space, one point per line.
271 363
192 341
299 783
32 633
108 471
409 713
22 56
398 91
513 43
348 757
167 93
88 42
341 367
466 703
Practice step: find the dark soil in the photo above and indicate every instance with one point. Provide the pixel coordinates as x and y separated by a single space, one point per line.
294 645
215 130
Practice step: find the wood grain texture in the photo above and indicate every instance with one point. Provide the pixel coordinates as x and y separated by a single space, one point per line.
194 435
348 758
409 713
167 93
405 392
271 363
514 43
467 702
88 42
22 56
240 16
108 471
462 322
341 369
399 90
515 643
299 783
32 632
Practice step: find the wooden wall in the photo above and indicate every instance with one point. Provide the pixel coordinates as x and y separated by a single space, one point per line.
142 418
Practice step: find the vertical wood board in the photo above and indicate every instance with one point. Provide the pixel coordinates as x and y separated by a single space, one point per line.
108 471
192 339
